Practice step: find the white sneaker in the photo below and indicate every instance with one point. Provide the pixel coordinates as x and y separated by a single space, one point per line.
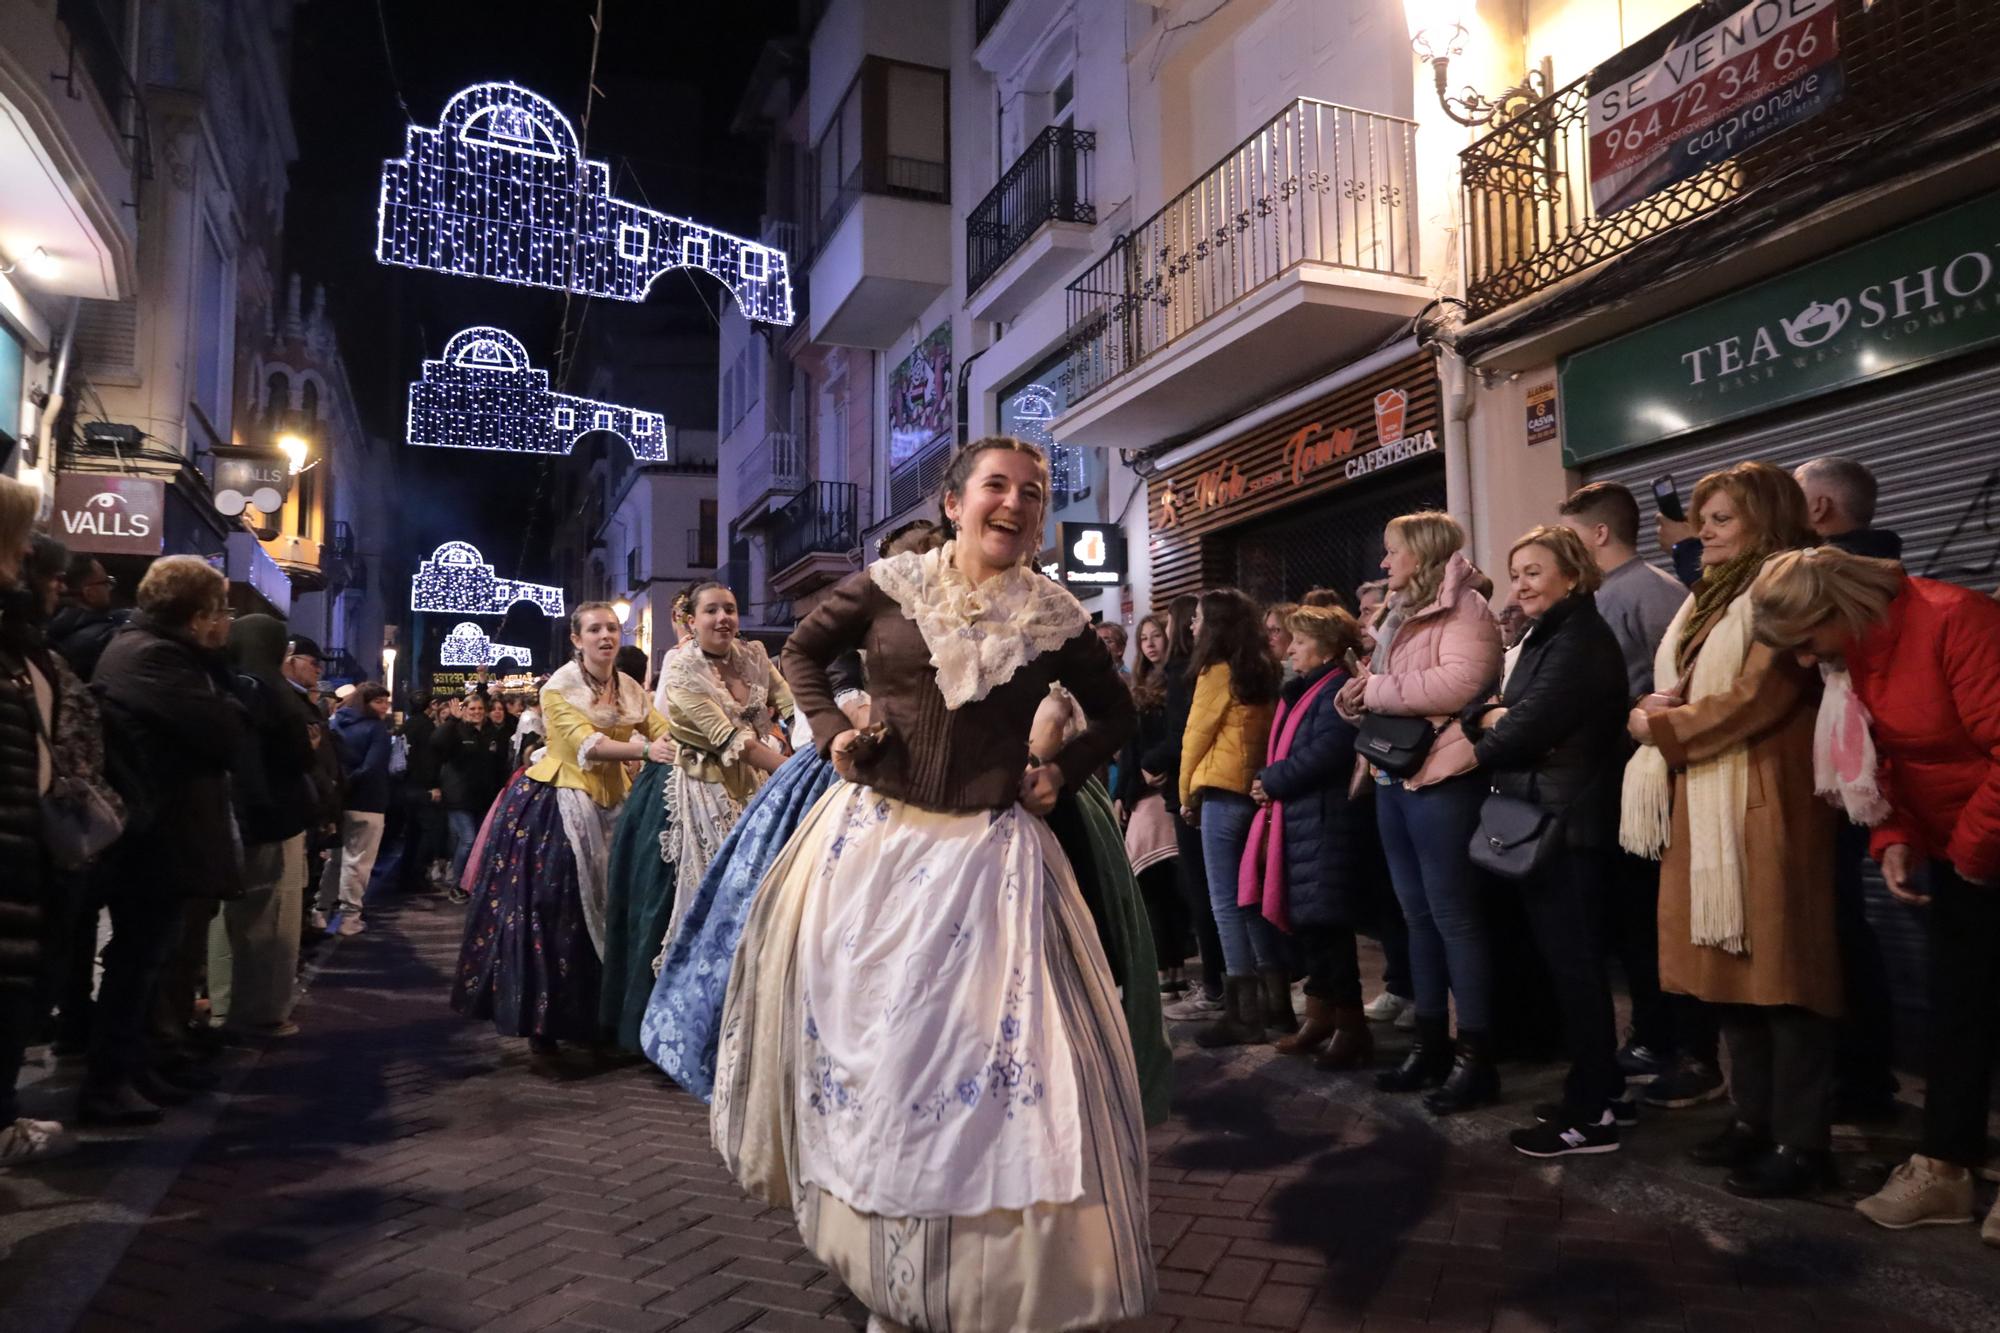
1989 1230
1387 1008
1919 1193
28 1141
1195 1008
351 925
318 919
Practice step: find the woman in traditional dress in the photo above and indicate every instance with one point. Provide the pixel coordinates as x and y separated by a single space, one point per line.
724 703
530 961
679 1029
922 1052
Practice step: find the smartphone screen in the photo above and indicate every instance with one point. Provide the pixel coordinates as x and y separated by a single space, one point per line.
1353 660
1668 498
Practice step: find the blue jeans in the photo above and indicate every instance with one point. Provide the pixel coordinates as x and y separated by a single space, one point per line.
1424 835
1249 942
464 832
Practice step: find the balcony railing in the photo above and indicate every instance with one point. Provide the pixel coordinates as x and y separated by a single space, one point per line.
1320 184
986 13
701 548
1529 219
820 520
1050 183
776 463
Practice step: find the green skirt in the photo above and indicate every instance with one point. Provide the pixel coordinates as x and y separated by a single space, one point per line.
639 903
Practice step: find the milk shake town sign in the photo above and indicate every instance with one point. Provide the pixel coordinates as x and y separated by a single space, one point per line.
1920 293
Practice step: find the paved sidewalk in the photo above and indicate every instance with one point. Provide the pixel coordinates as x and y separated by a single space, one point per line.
396 1168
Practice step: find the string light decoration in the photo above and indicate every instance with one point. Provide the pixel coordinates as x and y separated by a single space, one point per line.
457 579
483 394
468 646
501 189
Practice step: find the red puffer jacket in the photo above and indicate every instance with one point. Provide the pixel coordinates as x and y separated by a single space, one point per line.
1930 676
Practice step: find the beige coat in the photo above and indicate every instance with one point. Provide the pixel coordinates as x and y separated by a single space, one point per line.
1787 844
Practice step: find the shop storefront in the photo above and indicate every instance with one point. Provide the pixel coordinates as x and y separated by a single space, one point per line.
1887 352
1300 501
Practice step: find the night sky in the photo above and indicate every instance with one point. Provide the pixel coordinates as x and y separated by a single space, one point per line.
669 75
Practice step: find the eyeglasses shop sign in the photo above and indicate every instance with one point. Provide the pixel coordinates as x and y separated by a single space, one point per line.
1093 555
1921 293
105 514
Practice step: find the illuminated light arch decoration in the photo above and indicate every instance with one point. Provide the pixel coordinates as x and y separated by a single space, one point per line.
501 190
468 646
457 579
483 394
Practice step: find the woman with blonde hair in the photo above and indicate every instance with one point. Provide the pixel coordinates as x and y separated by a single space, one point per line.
1437 648
1908 739
532 958
1721 792
1550 740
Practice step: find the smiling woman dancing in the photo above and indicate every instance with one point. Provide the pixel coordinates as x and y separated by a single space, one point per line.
530 961
922 1051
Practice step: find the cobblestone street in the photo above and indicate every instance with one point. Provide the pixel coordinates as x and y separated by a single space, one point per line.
397 1168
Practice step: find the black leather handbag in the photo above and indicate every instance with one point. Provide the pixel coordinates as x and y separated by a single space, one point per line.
1396 745
1516 838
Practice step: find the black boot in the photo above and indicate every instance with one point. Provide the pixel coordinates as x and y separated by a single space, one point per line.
1473 1080
1736 1146
1427 1063
1783 1173
1242 1021
1276 989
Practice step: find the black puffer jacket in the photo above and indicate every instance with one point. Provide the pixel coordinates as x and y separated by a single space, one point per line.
26 882
1562 742
1163 755
1146 741
173 725
1329 864
471 764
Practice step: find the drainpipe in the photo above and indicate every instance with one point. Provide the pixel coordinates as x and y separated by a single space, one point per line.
52 405
1457 448
965 394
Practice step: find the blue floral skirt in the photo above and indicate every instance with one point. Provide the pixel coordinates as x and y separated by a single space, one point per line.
682 1020
527 961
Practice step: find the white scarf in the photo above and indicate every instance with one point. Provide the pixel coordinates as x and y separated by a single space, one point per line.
1718 789
1844 759
978 637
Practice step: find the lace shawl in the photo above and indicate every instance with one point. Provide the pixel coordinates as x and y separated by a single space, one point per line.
686 669
628 710
978 637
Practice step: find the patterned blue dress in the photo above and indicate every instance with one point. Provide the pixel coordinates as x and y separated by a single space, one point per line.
680 1029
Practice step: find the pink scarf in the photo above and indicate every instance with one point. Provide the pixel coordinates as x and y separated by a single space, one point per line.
1260 879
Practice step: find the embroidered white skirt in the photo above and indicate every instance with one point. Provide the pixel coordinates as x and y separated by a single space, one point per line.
923 1055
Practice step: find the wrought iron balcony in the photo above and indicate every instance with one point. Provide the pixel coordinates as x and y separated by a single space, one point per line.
1049 183
1529 219
1320 184
818 521
986 13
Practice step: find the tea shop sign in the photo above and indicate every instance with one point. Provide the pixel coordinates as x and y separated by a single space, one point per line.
1921 293
1309 453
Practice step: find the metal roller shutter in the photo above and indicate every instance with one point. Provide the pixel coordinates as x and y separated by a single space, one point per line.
1932 438
1336 543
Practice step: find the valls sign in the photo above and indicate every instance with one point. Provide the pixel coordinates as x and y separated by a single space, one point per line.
109 515
1923 292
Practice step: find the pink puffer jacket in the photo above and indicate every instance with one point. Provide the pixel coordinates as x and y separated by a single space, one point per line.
1441 659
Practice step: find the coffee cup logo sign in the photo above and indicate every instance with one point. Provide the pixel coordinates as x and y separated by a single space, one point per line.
109 515
1389 407
1091 554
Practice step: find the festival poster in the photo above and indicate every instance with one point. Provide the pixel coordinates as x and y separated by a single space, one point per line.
1720 78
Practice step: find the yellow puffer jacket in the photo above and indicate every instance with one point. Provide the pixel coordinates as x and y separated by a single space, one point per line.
1225 740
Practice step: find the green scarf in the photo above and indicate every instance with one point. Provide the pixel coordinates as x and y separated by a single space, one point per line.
1718 588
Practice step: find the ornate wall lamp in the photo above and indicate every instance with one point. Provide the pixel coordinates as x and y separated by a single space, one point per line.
1438 31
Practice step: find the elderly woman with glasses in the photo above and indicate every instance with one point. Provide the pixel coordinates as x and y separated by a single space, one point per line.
1922 763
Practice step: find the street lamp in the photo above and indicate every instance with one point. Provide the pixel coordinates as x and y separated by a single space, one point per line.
294 447
389 670
622 608
1438 31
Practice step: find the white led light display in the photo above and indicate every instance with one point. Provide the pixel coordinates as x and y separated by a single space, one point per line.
457 578
483 394
468 646
501 190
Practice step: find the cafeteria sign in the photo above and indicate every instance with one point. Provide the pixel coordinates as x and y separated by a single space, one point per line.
1717 80
1093 555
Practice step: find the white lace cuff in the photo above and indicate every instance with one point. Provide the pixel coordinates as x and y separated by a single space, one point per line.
734 750
589 747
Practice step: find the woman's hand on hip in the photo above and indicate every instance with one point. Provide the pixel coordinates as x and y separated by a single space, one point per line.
842 754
